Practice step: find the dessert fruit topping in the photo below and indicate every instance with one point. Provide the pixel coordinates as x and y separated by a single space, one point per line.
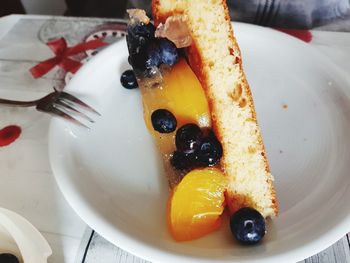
139 35
247 226
182 161
138 15
128 79
195 149
176 30
145 51
181 93
163 121
146 57
184 95
210 151
168 51
196 204
188 138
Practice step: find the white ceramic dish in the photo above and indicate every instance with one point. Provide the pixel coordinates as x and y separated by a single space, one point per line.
22 239
113 178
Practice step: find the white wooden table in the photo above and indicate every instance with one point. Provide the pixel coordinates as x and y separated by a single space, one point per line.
27 185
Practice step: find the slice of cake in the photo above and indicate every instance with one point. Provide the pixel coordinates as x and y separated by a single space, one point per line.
215 58
199 109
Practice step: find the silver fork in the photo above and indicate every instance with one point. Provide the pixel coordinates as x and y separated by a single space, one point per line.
57 103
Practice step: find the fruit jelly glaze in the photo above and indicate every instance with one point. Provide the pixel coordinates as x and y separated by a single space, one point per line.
181 93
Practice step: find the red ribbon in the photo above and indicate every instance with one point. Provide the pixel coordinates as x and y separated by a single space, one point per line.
63 52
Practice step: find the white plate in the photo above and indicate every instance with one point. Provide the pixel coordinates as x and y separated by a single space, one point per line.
113 178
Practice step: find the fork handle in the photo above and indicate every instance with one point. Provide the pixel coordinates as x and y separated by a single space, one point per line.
18 103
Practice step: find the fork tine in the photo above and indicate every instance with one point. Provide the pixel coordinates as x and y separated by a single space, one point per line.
66 105
66 116
74 99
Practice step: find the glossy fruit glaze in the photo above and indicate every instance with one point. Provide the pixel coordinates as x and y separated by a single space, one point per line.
196 204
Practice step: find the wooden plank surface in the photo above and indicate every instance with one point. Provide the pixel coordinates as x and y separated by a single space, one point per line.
100 250
338 253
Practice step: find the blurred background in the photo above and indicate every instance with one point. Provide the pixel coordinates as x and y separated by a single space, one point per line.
49 7
275 13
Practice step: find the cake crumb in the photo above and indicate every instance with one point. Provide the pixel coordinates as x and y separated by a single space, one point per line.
284 106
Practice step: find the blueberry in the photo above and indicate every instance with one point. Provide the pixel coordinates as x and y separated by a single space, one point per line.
248 226
153 57
146 51
139 35
163 121
209 151
128 79
142 30
188 138
137 60
143 50
8 258
168 51
182 161
147 57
